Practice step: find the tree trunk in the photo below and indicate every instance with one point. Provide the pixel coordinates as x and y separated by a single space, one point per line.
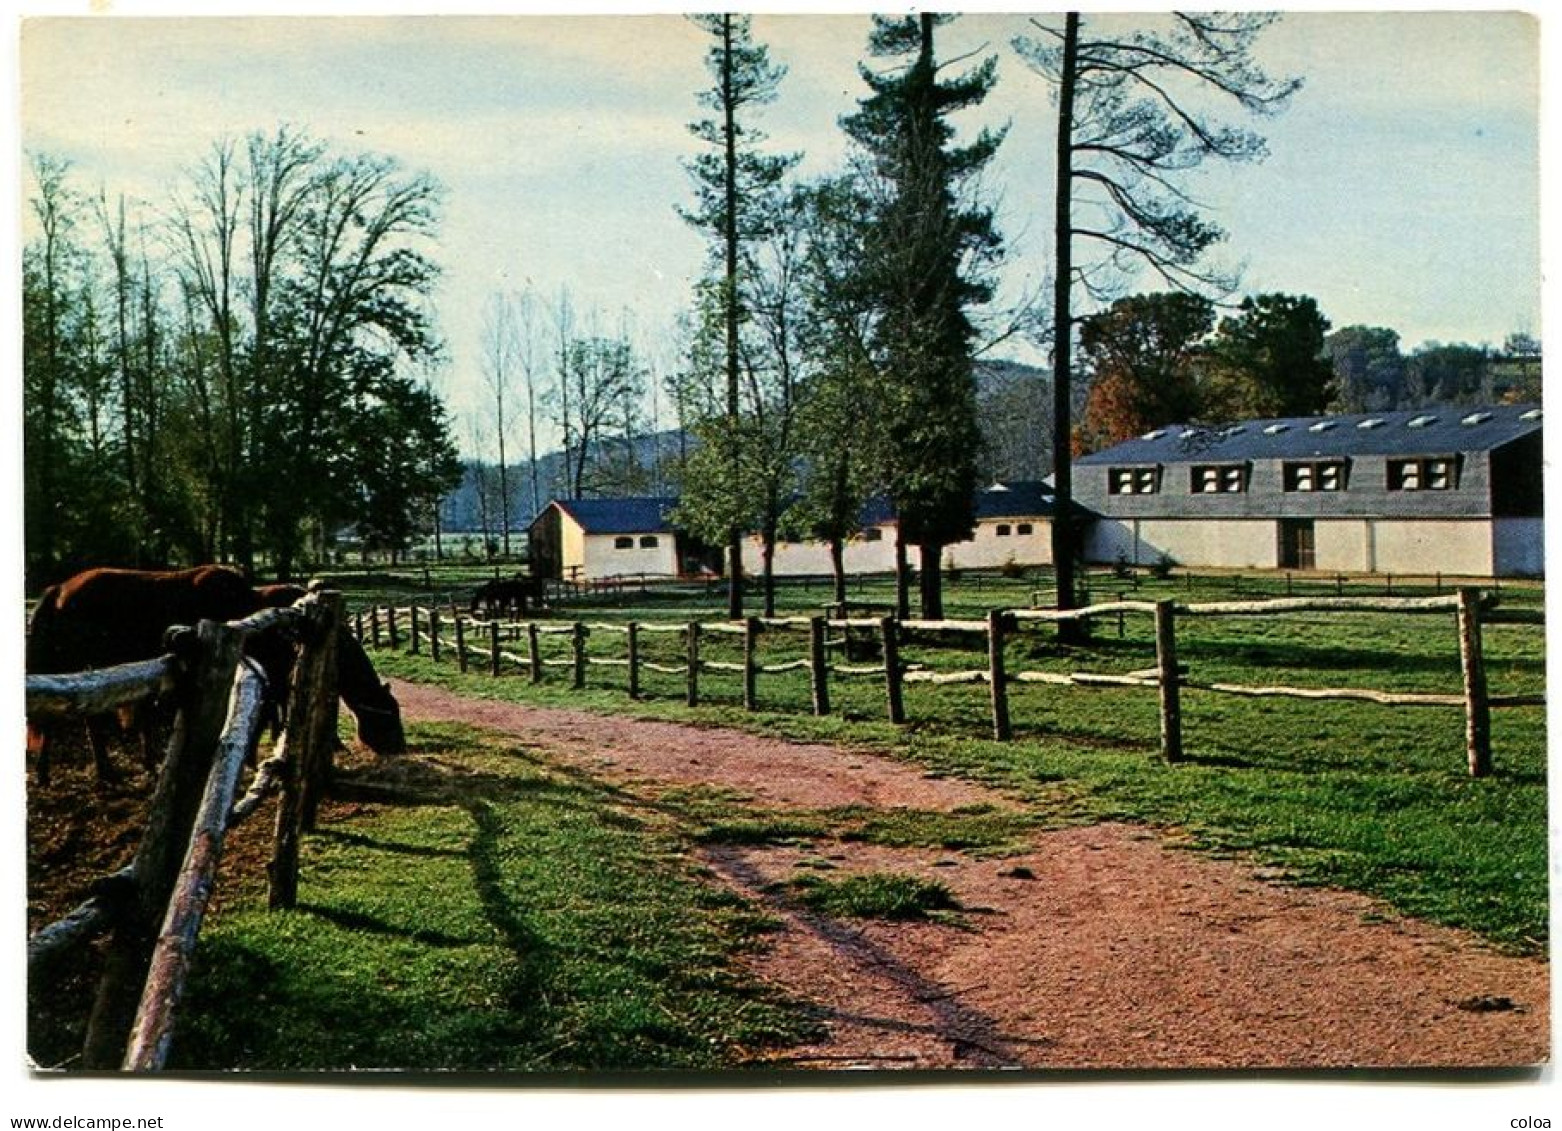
931 582
838 568
902 579
1065 536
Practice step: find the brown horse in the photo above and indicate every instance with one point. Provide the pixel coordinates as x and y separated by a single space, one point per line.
104 617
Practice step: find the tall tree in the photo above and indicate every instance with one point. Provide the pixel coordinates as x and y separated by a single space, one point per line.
1369 370
1142 357
1131 121
501 360
734 182
927 252
1269 360
601 377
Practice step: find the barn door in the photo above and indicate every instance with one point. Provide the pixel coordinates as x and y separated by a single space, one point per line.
1297 548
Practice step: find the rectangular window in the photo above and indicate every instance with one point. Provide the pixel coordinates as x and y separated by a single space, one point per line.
649 541
624 542
1219 478
1024 528
1133 481
873 534
1322 475
1432 473
1003 530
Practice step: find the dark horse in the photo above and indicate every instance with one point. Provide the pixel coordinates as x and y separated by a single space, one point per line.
512 596
103 617
373 706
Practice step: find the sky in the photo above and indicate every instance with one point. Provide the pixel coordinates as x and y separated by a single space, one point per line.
1401 188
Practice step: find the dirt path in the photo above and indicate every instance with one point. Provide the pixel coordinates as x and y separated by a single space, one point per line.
1103 947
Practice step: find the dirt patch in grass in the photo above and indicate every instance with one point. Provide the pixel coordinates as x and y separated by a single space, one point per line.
1100 947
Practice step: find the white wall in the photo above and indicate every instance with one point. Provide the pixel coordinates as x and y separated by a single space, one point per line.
987 549
1454 546
812 559
1232 543
603 560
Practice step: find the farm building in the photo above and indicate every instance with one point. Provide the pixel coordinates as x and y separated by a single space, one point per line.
1448 489
1013 524
588 539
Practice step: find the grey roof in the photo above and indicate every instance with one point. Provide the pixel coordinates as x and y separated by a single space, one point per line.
1022 498
620 516
1025 498
1427 431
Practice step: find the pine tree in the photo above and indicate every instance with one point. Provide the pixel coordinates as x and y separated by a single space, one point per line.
925 252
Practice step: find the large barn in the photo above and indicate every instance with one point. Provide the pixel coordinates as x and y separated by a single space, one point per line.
1454 490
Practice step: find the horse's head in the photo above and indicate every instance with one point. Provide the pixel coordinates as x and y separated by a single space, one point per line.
379 722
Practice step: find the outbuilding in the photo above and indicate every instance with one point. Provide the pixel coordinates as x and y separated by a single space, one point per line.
1446 489
592 539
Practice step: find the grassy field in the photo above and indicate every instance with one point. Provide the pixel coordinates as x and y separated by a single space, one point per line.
491 912
1357 795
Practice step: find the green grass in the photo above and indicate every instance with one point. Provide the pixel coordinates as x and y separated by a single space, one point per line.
495 916
1359 796
875 895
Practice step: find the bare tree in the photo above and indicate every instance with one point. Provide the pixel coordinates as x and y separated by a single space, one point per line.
501 351
1131 122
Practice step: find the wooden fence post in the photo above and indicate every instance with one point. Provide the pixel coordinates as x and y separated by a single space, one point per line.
493 645
374 626
1170 680
390 625
633 629
209 662
415 645
578 643
534 651
1477 708
460 643
819 667
750 673
892 672
996 675
433 633
306 745
693 695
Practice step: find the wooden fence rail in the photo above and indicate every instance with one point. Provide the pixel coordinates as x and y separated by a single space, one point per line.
154 905
1169 677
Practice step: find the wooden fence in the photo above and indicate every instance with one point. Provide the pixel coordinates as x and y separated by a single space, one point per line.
154 906
489 643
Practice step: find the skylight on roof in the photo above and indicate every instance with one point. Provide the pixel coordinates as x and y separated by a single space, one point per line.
1153 434
1476 418
1276 429
1532 414
1371 422
1422 421
1234 430
1322 426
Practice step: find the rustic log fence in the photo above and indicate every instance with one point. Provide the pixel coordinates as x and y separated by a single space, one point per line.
833 632
155 905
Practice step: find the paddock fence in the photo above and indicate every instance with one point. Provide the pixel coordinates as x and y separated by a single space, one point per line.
154 906
837 641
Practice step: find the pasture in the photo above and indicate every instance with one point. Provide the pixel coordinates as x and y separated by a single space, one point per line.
1358 795
479 906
